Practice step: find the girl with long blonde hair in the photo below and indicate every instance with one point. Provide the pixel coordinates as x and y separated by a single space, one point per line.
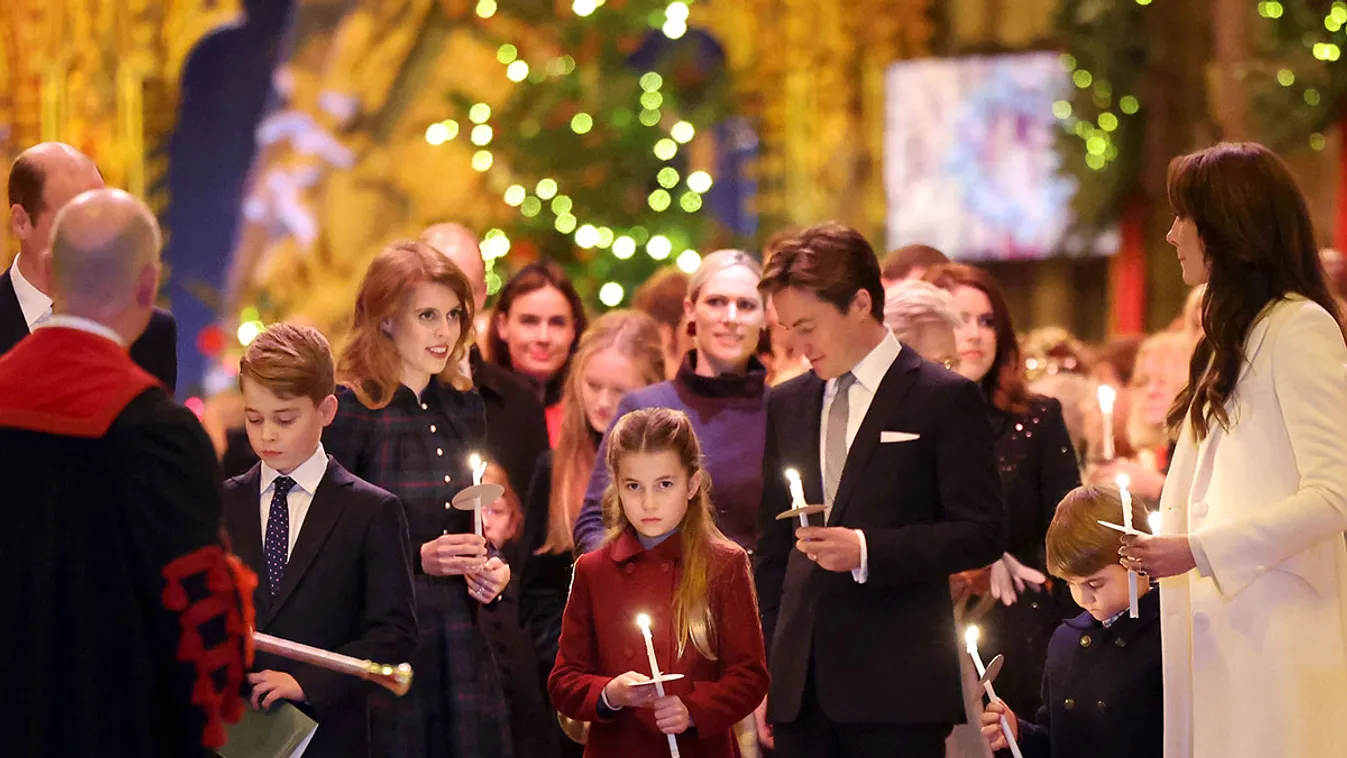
619 353
663 558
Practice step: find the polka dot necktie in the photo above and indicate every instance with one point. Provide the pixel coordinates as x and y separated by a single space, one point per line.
276 546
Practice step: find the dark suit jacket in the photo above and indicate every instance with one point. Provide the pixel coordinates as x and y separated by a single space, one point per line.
883 652
156 351
516 429
347 587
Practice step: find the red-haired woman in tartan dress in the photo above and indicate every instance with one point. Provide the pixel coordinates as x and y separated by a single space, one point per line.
408 421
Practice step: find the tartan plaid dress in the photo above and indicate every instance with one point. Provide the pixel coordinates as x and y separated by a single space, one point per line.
418 448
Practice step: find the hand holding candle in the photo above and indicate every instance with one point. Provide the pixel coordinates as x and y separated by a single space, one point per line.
971 643
643 621
1124 481
1107 396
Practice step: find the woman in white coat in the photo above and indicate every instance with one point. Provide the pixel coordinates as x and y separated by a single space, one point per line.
1251 553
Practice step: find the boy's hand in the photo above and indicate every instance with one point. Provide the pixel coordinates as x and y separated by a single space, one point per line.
621 693
991 725
671 715
274 685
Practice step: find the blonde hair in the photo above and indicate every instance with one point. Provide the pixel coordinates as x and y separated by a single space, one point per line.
656 430
716 262
636 336
912 303
1077 544
1171 350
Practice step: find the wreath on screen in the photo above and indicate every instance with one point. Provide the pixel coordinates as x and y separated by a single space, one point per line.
1001 96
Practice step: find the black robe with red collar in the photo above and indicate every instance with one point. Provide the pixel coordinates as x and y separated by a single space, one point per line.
124 629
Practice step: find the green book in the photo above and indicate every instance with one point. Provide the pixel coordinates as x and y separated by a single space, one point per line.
282 732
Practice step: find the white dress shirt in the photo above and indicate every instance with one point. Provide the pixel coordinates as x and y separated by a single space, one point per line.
869 373
32 301
82 324
307 475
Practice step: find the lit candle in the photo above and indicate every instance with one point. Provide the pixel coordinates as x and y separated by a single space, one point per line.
797 494
1107 396
478 467
1154 519
970 638
1124 481
643 621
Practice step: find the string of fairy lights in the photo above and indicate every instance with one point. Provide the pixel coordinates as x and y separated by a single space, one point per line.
546 195
1096 133
1326 50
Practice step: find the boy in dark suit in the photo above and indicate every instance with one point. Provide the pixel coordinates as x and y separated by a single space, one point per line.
329 549
1102 687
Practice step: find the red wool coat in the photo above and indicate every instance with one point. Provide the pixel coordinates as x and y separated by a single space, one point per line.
600 640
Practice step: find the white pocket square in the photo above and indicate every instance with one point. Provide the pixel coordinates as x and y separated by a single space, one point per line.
898 436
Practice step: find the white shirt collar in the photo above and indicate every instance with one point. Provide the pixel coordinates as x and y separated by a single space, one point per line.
67 321
872 368
32 301
307 475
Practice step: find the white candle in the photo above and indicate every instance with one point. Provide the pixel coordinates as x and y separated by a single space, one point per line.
970 638
643 621
478 467
797 494
1107 395
1124 481
1154 519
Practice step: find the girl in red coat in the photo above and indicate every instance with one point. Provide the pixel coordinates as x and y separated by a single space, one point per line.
663 557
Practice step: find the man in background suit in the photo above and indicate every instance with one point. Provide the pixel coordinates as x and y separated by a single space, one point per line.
41 181
864 653
516 428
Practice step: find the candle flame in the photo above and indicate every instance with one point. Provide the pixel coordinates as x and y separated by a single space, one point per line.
1107 395
970 637
643 621
793 475
475 461
1154 520
1124 481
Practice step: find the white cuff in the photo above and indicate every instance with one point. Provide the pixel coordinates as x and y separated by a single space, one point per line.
862 574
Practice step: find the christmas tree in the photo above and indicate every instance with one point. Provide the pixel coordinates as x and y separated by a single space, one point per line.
603 151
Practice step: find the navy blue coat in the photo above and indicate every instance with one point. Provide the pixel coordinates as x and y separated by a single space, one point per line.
1102 690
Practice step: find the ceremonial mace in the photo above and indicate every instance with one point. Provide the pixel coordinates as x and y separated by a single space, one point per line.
396 679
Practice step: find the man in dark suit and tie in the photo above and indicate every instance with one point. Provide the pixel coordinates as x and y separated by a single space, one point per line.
863 649
42 180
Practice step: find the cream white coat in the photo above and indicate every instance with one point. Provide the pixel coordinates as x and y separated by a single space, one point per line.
1255 641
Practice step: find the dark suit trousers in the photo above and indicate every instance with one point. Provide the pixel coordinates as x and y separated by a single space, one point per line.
813 735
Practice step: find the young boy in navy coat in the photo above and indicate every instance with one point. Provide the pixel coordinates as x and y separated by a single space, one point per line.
330 550
1102 686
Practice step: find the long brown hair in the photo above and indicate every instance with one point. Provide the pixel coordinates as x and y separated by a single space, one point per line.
634 335
531 278
1257 238
1004 384
657 430
369 363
